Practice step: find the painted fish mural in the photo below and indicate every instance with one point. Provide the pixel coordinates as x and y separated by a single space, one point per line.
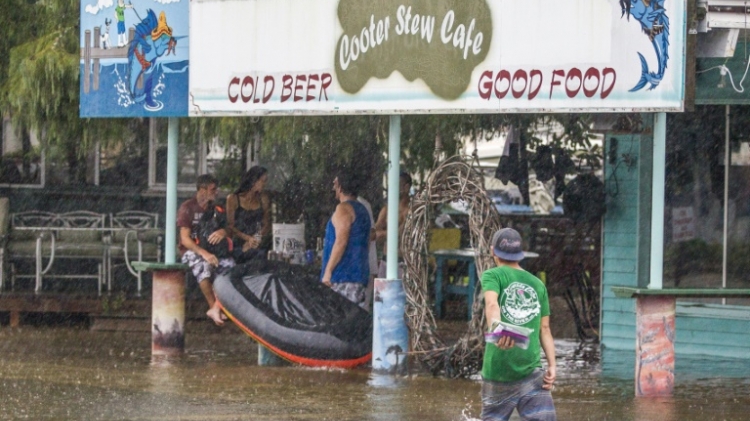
655 24
153 39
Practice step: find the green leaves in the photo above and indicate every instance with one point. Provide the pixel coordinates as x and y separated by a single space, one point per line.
43 88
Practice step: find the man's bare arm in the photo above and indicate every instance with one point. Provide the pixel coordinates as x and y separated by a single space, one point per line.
548 345
492 314
381 226
189 244
491 308
342 221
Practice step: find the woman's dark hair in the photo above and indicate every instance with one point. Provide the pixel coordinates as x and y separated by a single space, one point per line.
250 178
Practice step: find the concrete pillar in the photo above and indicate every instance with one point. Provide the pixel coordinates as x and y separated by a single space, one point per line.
655 334
168 312
390 340
167 307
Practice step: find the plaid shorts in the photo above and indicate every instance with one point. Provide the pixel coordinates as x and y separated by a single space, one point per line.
352 291
526 395
203 270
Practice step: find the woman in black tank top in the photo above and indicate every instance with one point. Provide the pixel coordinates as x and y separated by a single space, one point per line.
249 216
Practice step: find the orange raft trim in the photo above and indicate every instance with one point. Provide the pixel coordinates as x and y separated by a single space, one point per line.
310 362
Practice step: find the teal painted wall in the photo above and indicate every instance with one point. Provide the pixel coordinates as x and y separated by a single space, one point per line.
712 329
701 329
626 224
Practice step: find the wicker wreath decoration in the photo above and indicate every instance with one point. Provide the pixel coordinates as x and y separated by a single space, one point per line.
453 179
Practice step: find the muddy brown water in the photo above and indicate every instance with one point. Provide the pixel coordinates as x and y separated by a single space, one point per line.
72 373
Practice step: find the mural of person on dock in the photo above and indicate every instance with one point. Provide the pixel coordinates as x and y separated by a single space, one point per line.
122 36
148 75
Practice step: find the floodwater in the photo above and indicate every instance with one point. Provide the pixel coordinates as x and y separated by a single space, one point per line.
72 373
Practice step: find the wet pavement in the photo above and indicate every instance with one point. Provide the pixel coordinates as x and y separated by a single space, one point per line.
72 373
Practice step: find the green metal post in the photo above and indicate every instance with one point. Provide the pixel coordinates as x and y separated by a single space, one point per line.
394 168
390 338
170 234
727 166
168 290
657 201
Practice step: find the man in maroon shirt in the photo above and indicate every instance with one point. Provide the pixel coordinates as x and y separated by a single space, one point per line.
203 264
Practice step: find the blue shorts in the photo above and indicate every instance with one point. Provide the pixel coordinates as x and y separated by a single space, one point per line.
526 395
120 27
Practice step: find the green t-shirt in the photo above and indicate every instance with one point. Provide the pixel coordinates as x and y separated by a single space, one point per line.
523 302
120 12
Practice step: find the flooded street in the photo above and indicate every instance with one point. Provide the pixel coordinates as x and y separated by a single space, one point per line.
72 373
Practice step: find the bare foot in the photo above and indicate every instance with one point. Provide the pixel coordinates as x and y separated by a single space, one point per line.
215 314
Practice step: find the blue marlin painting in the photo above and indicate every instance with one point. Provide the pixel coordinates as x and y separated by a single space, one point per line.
153 39
655 24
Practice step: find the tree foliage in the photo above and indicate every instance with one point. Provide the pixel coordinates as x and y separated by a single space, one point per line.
12 34
40 90
44 87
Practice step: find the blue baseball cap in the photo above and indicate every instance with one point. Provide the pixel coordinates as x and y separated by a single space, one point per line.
506 244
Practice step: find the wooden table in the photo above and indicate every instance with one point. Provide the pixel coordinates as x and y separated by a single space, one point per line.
441 257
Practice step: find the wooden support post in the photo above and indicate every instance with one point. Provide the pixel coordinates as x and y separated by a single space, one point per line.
95 70
15 318
655 334
87 61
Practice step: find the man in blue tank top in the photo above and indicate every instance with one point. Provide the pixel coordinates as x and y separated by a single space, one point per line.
346 246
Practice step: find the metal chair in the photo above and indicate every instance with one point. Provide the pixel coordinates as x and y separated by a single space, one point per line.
71 235
133 231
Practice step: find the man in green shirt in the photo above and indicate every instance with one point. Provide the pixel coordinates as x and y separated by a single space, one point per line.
122 36
513 377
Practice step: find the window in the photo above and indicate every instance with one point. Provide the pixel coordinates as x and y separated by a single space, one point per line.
124 162
190 161
139 160
22 161
707 221
204 156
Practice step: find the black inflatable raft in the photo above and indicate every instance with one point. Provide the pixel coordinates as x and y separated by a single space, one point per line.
287 309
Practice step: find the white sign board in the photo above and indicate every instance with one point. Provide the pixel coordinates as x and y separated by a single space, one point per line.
683 224
261 57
